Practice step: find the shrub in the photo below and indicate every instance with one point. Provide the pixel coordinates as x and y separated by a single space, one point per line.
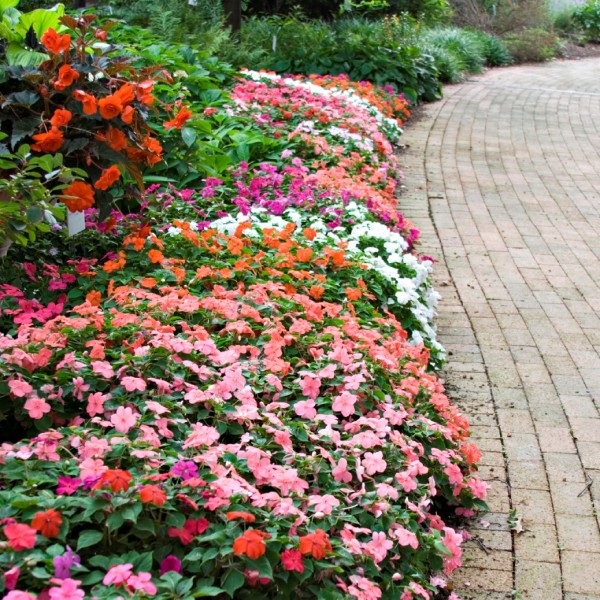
464 45
532 45
587 17
495 52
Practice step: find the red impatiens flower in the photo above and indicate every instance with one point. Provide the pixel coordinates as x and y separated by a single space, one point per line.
251 543
117 479
54 42
47 522
20 536
153 494
292 560
190 529
317 544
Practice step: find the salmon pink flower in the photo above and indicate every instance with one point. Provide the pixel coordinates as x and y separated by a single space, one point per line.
118 575
20 536
19 388
124 419
131 384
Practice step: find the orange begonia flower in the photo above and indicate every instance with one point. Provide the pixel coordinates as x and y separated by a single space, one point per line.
180 118
114 138
117 479
316 544
108 177
89 102
153 494
54 42
61 117
50 141
237 514
66 76
125 94
47 523
78 196
110 107
143 91
127 115
94 297
251 543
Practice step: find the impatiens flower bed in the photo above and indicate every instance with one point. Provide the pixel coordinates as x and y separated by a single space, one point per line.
239 402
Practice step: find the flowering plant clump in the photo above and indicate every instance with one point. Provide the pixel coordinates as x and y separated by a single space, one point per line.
239 401
79 98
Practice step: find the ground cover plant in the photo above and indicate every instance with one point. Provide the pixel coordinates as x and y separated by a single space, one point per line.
232 391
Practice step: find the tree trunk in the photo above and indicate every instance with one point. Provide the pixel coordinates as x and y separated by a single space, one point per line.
233 14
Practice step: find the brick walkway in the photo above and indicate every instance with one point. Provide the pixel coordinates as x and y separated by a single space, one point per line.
503 177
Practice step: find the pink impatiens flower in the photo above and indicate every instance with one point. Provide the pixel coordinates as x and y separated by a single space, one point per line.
292 560
310 386
37 407
344 403
378 547
68 589
124 419
323 504
340 472
131 384
118 575
19 388
373 463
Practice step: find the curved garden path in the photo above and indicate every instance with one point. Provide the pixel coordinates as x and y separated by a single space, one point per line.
503 177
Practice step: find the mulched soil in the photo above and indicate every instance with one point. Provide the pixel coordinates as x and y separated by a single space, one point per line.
574 51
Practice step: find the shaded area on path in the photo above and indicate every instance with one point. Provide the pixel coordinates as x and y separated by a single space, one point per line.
503 178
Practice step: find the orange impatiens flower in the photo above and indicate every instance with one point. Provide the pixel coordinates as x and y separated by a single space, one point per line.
61 117
179 120
353 293
50 141
304 254
108 177
54 42
153 494
156 256
316 544
67 75
78 196
89 102
309 233
251 543
235 246
117 479
110 107
47 522
238 514
148 282
114 265
316 292
94 298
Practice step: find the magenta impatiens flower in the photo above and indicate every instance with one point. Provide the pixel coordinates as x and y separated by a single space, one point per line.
68 485
186 469
170 563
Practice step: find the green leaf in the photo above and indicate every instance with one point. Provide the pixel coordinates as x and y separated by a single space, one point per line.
18 56
92 578
207 590
4 4
35 214
40 20
232 581
188 135
88 538
22 128
263 566
114 521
